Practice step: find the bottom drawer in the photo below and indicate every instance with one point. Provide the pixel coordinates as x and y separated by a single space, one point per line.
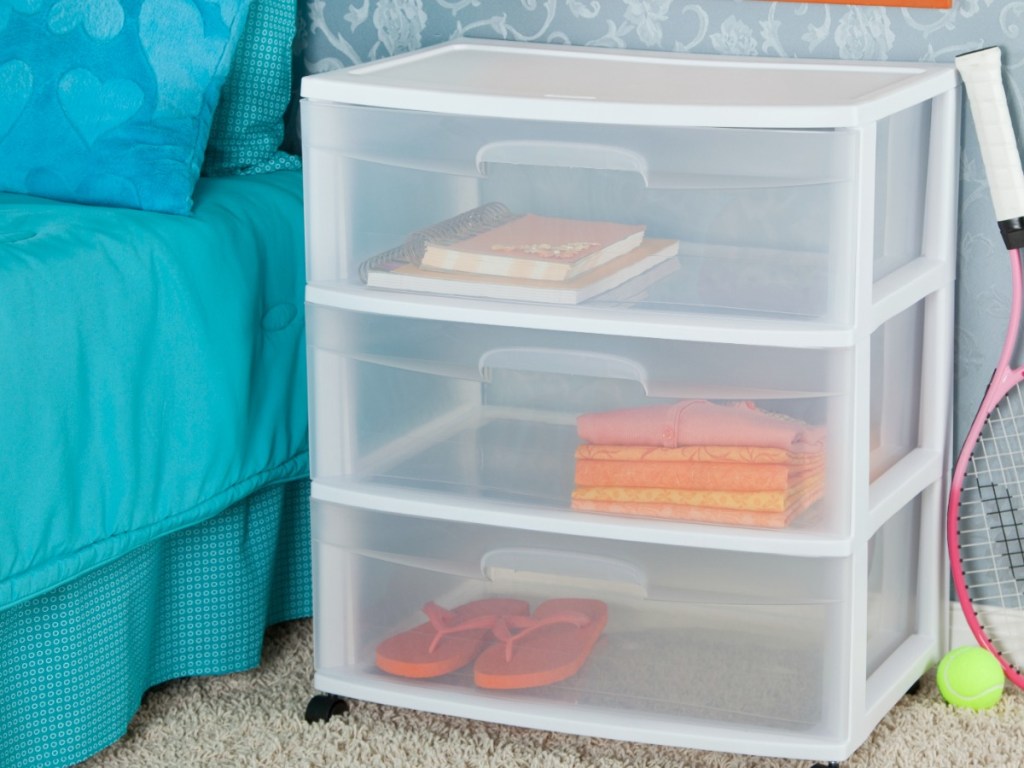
716 640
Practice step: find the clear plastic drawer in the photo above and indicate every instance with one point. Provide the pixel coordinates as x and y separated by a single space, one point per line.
656 636
598 426
763 222
522 418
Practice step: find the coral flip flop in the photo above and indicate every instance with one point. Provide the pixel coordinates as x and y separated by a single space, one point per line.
545 648
448 641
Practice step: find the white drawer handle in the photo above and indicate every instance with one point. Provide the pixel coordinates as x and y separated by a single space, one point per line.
562 154
564 361
552 565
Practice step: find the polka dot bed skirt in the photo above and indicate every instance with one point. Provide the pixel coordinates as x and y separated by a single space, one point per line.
75 662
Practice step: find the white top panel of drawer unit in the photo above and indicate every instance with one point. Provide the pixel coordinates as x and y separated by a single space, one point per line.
490 78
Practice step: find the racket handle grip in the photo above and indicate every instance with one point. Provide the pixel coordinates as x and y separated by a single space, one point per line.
983 77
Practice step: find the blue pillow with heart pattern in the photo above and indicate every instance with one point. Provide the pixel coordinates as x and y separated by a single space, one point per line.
109 102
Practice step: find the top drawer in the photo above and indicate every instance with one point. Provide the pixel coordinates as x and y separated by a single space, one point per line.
778 220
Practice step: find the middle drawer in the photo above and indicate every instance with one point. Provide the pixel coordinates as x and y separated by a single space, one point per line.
564 423
556 422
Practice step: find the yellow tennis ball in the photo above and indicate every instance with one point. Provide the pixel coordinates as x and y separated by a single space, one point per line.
970 676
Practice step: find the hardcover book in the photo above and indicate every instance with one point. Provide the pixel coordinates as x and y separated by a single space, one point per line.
533 247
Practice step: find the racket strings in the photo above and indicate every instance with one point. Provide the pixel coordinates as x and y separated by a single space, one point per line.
1003 521
991 527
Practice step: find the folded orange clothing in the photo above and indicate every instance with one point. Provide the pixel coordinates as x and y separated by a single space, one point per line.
753 501
698 422
689 475
685 513
728 454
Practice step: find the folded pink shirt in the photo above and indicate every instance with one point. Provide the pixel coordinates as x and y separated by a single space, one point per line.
698 422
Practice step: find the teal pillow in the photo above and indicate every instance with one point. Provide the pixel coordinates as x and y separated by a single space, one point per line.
248 126
109 102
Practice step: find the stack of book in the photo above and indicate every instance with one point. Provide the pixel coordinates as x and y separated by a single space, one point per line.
490 252
701 462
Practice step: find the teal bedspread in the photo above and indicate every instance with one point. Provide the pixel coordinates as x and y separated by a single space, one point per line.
152 371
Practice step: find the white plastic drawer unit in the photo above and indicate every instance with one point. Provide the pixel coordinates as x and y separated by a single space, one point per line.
784 183
458 419
731 461
713 649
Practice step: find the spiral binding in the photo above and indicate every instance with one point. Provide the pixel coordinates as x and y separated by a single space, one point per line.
447 232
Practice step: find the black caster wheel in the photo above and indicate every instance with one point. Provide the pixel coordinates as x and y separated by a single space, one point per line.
826 765
322 706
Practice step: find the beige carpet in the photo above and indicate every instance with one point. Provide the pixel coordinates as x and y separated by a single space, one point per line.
256 719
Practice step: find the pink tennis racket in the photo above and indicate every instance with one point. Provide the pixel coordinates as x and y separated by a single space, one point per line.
985 524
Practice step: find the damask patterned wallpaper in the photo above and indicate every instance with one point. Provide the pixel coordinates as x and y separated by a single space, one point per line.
339 33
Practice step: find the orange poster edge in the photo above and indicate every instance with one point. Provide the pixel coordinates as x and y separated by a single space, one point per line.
940 4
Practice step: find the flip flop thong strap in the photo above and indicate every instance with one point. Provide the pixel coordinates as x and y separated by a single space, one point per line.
446 623
510 629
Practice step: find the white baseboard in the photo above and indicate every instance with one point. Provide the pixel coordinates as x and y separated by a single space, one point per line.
959 632
1010 622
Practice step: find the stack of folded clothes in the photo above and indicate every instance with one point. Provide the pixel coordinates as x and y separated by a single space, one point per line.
699 461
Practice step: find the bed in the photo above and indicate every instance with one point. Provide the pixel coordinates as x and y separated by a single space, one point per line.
153 429
154 452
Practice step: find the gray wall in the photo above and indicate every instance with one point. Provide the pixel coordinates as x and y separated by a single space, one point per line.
339 33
